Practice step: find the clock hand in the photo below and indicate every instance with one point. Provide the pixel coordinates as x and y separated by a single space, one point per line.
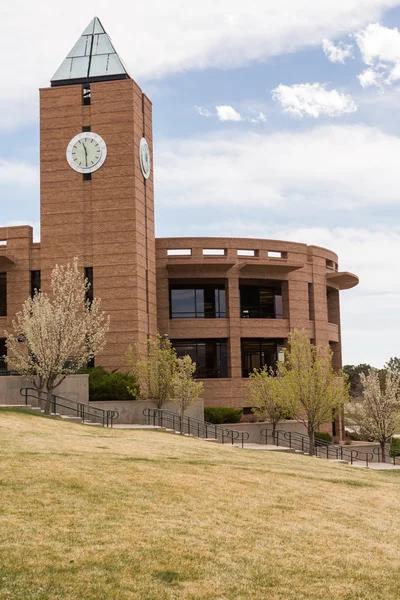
84 147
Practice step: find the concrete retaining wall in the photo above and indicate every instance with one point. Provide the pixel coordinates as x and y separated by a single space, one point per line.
131 411
74 387
254 429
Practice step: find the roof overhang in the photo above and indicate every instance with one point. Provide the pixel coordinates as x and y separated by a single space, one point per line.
6 260
276 266
179 267
344 280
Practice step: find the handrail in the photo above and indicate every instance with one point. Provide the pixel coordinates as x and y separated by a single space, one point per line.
194 426
79 409
320 448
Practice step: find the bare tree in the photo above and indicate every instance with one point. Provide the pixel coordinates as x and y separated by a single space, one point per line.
310 381
377 414
155 371
186 389
266 393
60 332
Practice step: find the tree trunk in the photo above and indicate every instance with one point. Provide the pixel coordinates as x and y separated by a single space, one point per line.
383 452
47 405
311 441
182 413
273 432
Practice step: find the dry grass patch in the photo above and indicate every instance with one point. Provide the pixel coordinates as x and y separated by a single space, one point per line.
95 514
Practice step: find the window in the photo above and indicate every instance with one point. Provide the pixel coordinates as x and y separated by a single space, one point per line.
310 302
86 94
257 353
261 302
86 128
86 176
214 252
210 356
35 282
333 304
3 294
179 252
89 277
246 253
3 353
197 302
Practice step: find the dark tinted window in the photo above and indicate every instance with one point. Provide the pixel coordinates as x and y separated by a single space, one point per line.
197 302
257 353
35 282
3 353
89 277
261 302
210 356
3 294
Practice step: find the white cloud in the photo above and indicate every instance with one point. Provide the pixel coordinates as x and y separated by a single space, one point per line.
378 44
336 167
313 100
380 50
228 113
337 53
18 174
203 112
157 37
370 78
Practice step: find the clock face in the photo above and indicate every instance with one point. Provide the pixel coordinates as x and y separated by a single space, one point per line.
145 162
86 152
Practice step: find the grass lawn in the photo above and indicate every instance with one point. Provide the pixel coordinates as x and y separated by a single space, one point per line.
96 514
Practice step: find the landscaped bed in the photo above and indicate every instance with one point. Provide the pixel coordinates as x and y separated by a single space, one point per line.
97 514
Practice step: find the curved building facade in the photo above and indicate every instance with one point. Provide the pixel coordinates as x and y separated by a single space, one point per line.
231 304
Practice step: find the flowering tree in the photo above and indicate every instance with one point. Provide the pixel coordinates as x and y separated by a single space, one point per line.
310 381
377 414
55 335
186 390
154 372
266 393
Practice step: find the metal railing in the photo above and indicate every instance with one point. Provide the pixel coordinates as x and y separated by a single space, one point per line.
4 370
321 448
201 429
259 312
74 409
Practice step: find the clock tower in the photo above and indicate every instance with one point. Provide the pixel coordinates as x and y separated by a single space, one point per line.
97 194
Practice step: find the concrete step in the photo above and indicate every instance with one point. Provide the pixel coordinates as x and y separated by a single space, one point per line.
15 406
74 419
338 460
92 424
214 440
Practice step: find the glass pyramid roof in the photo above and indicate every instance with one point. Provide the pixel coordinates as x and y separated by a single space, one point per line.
93 58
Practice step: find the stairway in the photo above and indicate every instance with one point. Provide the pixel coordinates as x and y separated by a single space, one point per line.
69 410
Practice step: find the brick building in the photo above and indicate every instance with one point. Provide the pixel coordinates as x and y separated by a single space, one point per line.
230 303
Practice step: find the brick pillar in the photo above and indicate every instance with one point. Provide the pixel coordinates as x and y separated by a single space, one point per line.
233 302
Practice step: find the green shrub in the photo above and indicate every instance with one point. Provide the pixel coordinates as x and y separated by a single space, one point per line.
222 414
395 447
105 385
324 437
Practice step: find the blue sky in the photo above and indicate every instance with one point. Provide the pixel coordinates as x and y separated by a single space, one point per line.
261 128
